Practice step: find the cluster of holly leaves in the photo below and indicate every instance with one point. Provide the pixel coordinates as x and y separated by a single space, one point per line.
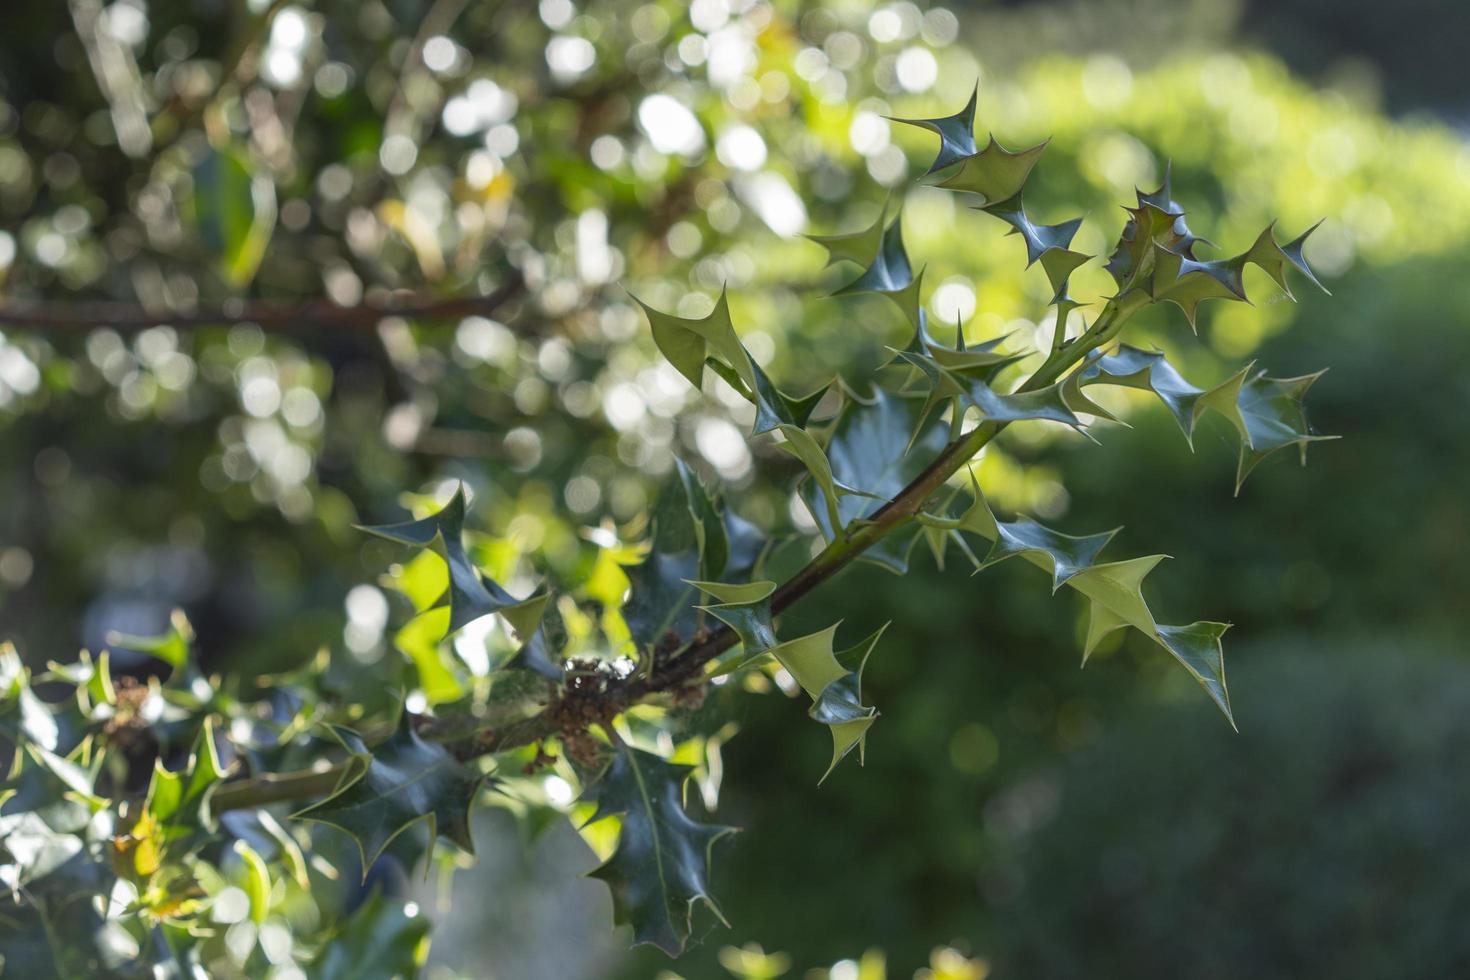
130 809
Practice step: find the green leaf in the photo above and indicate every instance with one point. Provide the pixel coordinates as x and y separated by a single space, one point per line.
689 343
746 609
235 212
535 655
1114 591
1064 555
1267 413
421 640
1048 244
1133 367
383 938
1273 258
660 868
399 782
689 542
1047 404
179 801
859 247
1158 220
1187 282
890 274
873 456
995 173
956 134
834 683
800 444
174 647
257 882
1270 417
470 595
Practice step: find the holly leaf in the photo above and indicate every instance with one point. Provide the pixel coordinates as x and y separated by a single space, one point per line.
470 595
1064 555
1187 282
890 274
974 388
1269 417
691 343
746 609
956 134
535 655
1114 591
396 784
179 801
660 868
1157 220
1273 258
858 247
1267 413
1048 244
689 542
995 173
174 646
872 455
835 689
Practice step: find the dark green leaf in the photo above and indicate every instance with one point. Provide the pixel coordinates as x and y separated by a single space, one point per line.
399 782
661 866
956 134
471 595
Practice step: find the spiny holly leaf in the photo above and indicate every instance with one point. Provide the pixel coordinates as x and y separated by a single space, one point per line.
890 274
858 247
804 447
1196 646
1068 555
1042 404
689 343
470 595
173 647
746 609
1157 220
179 801
396 784
1133 367
834 687
1180 279
661 866
1048 244
956 134
689 542
1114 591
1273 258
995 173
1266 412
925 356
1269 417
1187 282
870 452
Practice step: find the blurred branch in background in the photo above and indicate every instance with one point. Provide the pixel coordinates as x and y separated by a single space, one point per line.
66 317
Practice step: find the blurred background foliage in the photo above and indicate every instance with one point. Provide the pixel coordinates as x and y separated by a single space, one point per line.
192 155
